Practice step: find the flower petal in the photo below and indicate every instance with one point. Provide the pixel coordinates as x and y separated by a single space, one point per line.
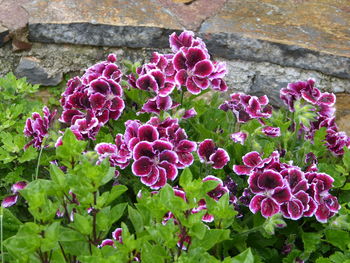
295 209
252 159
143 148
219 159
151 178
270 179
255 203
9 201
142 166
170 169
205 149
148 133
269 207
282 194
203 68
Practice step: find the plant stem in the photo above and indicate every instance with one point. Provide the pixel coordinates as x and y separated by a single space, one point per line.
39 159
62 250
182 95
1 233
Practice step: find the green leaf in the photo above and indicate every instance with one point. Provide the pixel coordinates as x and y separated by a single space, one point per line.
198 230
186 177
117 212
71 148
103 219
51 237
311 241
211 238
136 219
115 192
83 224
338 238
57 175
244 257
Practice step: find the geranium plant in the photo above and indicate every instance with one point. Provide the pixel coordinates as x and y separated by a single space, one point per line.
155 162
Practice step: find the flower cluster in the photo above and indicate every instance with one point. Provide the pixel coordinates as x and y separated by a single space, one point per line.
189 65
324 107
91 101
158 148
210 154
37 127
193 66
12 199
246 107
281 187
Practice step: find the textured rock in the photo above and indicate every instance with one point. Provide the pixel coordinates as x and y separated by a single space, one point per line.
343 112
261 78
191 14
3 35
321 25
234 46
30 68
279 32
12 14
119 23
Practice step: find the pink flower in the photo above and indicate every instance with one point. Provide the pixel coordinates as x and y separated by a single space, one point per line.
239 137
246 107
12 199
91 101
209 153
37 127
271 131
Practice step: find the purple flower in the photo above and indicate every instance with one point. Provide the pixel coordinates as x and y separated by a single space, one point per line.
185 39
271 131
12 199
189 114
158 104
209 153
91 101
246 107
118 153
37 127
239 137
9 201
117 235
155 162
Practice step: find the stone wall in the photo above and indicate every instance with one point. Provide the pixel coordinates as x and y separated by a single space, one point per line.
266 44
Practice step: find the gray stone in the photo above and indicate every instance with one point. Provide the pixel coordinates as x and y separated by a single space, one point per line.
3 33
100 35
260 78
30 68
234 46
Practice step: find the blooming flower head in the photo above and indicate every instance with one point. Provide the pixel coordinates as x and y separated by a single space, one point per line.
91 101
246 107
209 153
286 189
37 127
157 148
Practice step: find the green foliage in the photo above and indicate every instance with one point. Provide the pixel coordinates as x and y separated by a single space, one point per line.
17 102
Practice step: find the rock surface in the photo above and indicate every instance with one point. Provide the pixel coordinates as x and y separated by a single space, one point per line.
279 32
3 34
31 68
321 25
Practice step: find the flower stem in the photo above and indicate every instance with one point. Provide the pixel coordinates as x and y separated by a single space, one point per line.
182 95
1 235
39 158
